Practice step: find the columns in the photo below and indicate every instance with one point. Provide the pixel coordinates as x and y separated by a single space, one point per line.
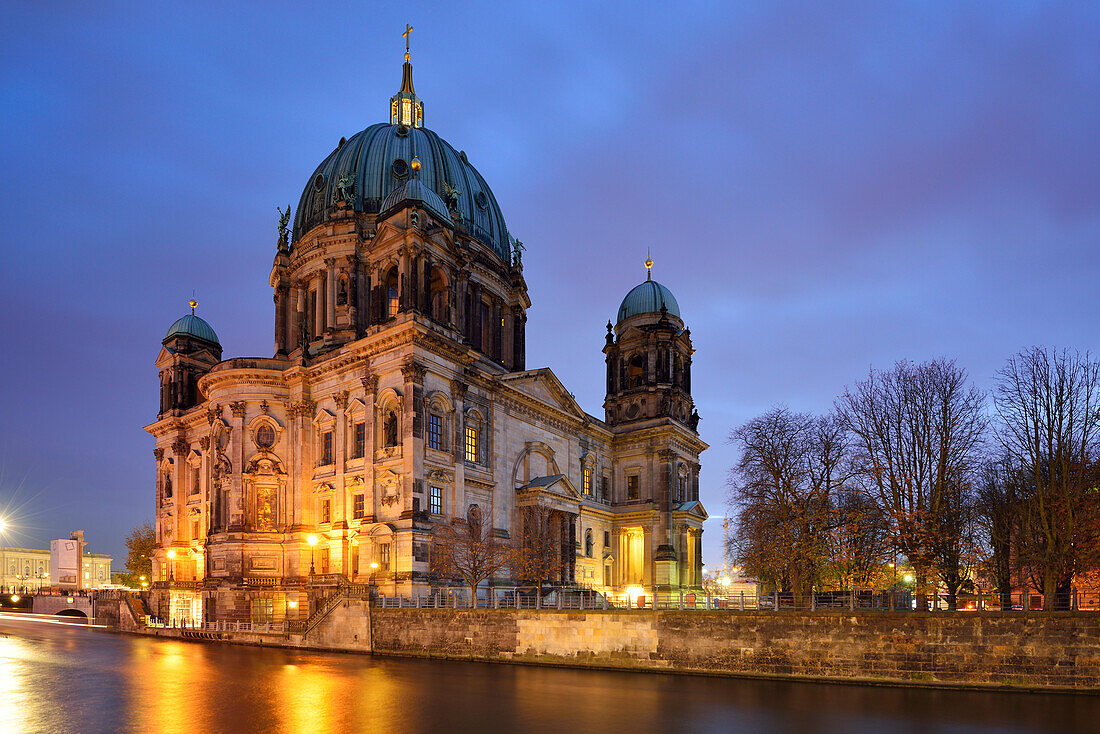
281 306
412 451
458 397
330 294
237 499
370 387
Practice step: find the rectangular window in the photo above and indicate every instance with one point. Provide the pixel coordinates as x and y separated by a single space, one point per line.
326 510
326 448
360 432
435 500
195 479
632 487
384 557
357 507
587 481
606 538
435 432
195 529
471 444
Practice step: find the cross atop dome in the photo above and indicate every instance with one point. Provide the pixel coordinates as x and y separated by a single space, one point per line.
405 107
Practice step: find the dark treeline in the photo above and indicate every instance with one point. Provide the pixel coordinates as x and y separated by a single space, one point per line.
917 466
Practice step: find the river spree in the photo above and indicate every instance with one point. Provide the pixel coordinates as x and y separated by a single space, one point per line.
60 678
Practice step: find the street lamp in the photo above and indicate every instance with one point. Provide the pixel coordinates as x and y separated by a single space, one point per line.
312 540
171 563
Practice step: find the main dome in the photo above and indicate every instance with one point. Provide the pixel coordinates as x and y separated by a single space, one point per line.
648 297
376 162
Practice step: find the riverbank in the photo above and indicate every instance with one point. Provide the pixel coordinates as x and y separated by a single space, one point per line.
1036 652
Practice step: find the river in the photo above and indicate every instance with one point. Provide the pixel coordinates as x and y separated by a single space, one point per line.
72 678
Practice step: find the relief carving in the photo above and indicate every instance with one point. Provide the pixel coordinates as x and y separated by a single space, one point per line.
238 408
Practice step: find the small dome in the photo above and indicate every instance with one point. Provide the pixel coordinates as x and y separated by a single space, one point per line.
417 192
648 297
191 325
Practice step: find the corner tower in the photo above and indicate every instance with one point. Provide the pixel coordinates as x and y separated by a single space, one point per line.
648 354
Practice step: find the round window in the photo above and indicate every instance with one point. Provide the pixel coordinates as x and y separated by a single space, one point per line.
402 131
482 200
319 182
400 168
265 436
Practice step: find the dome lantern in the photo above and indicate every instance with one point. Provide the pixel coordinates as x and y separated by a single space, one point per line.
405 107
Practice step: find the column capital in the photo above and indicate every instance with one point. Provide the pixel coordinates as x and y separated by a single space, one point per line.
238 408
414 372
458 389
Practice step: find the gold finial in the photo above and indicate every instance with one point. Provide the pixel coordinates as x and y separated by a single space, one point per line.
648 266
192 303
408 30
415 165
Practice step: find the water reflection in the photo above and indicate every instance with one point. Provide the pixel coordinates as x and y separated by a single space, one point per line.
83 680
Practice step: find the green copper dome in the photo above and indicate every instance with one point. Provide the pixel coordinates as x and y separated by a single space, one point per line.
374 163
415 191
191 325
648 297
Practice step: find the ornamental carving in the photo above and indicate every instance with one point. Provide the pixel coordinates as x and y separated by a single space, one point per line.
370 383
213 413
204 443
341 399
303 409
264 407
238 408
180 447
158 453
413 372
458 389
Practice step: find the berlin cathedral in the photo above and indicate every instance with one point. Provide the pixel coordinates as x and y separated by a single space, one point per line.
398 399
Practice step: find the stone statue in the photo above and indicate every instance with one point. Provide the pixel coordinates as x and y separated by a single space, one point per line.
517 253
284 220
450 196
345 190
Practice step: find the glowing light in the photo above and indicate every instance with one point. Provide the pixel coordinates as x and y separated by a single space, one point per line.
908 578
725 581
70 600
3 524
633 592
311 539
171 553
889 565
292 604
15 598
374 564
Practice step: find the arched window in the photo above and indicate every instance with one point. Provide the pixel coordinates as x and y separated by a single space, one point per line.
393 301
637 370
389 428
586 480
167 485
439 294
588 543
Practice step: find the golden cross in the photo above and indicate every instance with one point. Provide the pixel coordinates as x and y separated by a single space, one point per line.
405 35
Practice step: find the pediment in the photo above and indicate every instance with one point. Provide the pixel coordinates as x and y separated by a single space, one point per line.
557 485
543 385
693 508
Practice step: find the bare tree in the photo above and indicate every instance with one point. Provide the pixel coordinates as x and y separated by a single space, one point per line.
1048 405
539 554
468 550
790 464
857 542
918 428
999 512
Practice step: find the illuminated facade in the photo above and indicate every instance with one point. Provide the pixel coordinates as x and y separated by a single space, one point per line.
398 398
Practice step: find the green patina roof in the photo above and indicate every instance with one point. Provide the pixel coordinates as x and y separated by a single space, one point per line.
416 191
377 162
191 325
648 297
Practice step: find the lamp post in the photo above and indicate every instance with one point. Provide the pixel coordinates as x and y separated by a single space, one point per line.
171 564
312 540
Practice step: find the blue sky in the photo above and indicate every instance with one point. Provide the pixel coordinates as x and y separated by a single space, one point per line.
825 188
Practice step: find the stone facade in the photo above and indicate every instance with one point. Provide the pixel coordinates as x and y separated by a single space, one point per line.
398 399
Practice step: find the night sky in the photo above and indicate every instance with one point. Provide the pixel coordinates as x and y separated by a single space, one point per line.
824 187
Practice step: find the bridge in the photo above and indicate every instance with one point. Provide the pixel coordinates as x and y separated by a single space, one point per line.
63 606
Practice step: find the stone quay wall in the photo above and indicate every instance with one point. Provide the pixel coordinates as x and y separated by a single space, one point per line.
1050 650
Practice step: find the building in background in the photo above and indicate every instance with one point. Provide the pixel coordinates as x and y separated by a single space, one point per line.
398 399
29 568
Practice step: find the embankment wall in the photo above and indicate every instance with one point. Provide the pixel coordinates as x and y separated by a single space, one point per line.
1047 650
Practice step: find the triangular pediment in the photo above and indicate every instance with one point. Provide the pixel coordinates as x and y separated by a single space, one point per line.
543 385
